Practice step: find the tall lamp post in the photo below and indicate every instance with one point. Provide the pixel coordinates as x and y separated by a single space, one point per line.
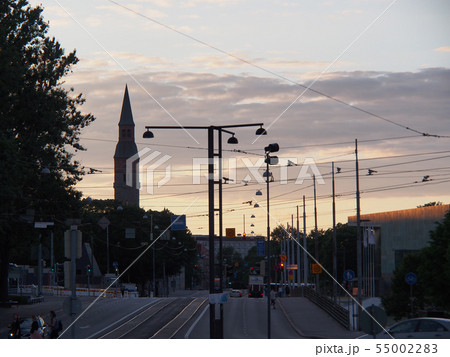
215 324
269 160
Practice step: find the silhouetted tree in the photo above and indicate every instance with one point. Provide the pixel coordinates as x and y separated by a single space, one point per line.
39 129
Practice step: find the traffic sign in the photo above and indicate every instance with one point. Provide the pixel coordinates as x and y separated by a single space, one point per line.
349 275
411 278
103 222
283 257
230 232
178 222
316 268
260 251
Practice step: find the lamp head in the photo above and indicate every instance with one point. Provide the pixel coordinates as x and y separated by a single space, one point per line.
272 148
232 140
261 131
148 135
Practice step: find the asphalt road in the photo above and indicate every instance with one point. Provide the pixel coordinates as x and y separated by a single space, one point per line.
245 318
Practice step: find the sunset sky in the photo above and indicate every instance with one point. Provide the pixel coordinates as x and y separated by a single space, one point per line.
318 74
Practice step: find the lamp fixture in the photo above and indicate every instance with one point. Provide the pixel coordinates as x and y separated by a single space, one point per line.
261 131
232 140
148 135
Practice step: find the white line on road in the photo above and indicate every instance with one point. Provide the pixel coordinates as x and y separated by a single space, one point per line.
123 318
196 322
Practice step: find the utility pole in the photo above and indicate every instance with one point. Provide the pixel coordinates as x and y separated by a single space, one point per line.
316 240
299 279
334 237
305 246
358 234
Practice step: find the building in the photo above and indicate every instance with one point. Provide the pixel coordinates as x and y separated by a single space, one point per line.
240 245
388 237
126 158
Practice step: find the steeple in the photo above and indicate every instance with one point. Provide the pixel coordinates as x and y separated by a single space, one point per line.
126 159
126 116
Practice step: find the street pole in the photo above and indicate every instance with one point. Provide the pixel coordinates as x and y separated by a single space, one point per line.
316 240
73 260
39 292
107 249
305 246
299 279
153 258
268 249
219 155
358 234
292 250
334 237
52 260
212 307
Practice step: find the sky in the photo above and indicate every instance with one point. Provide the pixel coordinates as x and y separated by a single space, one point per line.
318 74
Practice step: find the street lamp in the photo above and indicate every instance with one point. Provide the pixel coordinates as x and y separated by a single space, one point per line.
216 324
269 160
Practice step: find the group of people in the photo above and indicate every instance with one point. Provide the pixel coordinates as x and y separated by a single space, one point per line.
36 330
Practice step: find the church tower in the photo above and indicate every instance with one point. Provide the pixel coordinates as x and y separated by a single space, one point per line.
126 159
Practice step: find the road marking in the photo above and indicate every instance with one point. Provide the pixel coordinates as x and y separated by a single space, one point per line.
123 318
196 322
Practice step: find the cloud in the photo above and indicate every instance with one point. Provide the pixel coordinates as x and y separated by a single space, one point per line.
315 127
442 49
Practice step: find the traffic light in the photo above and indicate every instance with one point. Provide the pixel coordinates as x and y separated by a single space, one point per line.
88 269
282 266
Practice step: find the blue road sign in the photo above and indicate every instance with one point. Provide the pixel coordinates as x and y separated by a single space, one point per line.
349 275
411 278
260 248
115 264
178 222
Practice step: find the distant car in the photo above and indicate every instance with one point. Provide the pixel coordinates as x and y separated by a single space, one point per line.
25 327
235 293
422 327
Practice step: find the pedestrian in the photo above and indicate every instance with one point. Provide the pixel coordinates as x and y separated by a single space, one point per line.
14 327
34 332
53 325
273 296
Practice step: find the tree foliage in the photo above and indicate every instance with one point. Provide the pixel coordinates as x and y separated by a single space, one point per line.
432 267
40 125
180 250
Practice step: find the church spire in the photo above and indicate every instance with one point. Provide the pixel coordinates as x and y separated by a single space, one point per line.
126 116
126 158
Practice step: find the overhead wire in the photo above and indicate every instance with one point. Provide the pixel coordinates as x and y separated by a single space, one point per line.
309 88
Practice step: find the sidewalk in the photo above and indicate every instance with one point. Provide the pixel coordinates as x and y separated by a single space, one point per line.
310 321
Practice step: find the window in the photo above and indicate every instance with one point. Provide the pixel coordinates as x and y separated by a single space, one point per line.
404 327
431 326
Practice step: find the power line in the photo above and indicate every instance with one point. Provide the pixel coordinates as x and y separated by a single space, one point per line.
276 74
